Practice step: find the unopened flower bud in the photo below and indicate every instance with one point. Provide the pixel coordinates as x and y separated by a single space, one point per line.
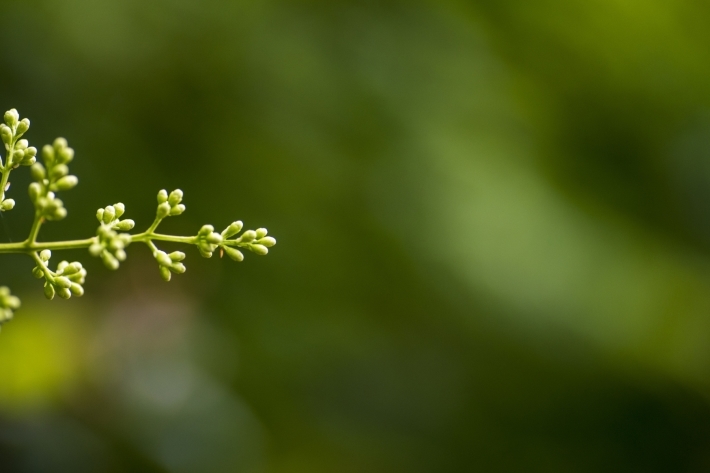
163 210
48 291
64 293
233 229
125 225
109 214
23 126
177 256
120 209
66 183
165 273
261 232
177 210
77 290
162 196
175 197
259 249
38 172
11 117
267 241
45 255
234 253
247 236
7 204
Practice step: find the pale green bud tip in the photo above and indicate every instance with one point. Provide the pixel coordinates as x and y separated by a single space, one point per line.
233 229
125 225
247 236
120 209
165 273
109 214
60 143
234 253
49 291
66 183
38 172
261 232
7 204
162 196
175 197
163 210
267 241
45 255
23 126
177 256
11 117
259 249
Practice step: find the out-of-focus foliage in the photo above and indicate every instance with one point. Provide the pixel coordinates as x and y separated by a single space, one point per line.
494 222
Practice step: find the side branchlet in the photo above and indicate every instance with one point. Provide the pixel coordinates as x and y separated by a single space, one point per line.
112 236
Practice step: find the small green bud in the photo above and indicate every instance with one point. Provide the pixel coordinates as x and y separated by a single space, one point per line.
45 255
11 117
109 260
23 126
35 191
259 249
31 151
22 144
162 196
100 215
60 143
64 293
65 155
95 249
6 135
234 253
175 197
37 272
77 290
205 230
177 256
165 273
261 232
267 241
63 282
163 210
120 209
38 172
233 229
28 160
125 225
214 238
177 210
66 183
49 291
69 268
248 236
48 154
162 258
17 156
60 170
7 204
109 214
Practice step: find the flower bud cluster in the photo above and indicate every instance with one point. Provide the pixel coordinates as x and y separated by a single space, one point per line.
18 151
8 304
108 243
169 205
52 177
169 263
207 240
255 241
65 282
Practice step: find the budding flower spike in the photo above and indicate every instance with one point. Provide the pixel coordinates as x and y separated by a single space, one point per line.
112 238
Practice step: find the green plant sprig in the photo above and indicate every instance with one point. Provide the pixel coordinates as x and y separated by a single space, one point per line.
112 237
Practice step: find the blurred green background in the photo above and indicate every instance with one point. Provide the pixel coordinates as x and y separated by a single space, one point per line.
493 222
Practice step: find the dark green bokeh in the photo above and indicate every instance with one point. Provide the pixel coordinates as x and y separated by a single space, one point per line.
493 222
